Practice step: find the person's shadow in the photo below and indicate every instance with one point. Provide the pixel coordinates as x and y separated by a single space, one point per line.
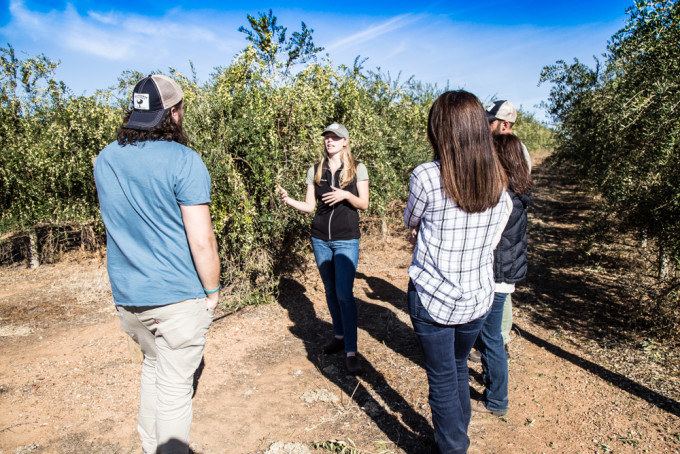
411 432
381 322
403 343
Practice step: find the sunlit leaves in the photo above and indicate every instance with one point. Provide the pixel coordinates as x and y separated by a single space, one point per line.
620 126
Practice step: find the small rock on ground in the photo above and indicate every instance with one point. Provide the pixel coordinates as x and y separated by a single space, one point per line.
280 447
319 395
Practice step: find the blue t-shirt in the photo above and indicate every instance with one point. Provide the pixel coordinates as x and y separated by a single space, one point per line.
141 188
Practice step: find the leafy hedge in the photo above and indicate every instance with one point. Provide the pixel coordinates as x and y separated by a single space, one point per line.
619 127
255 132
48 140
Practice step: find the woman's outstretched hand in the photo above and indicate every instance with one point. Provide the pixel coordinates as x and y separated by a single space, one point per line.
335 196
283 194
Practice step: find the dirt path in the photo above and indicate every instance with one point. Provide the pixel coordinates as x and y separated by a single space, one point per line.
68 384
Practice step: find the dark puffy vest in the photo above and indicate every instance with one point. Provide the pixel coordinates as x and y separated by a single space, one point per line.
337 222
510 256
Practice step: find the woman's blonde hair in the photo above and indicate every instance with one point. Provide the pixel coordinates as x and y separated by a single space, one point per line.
349 166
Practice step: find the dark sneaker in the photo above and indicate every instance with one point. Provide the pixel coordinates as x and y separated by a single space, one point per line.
479 407
353 366
334 346
475 356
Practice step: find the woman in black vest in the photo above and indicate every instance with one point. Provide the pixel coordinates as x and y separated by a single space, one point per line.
336 187
510 267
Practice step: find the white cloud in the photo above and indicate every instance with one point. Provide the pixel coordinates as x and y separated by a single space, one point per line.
114 36
488 60
375 31
109 18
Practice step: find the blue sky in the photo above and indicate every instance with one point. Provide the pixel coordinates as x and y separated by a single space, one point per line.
493 48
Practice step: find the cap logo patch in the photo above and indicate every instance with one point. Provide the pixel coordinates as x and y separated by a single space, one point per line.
141 101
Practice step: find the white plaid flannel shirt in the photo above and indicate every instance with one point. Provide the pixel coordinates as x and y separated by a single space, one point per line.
452 266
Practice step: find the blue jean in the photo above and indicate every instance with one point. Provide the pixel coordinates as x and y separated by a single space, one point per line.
337 262
494 358
445 350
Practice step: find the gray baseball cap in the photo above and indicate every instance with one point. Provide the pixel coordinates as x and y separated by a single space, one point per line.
502 110
337 129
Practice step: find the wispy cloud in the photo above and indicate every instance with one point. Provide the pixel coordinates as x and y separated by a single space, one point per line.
375 31
113 36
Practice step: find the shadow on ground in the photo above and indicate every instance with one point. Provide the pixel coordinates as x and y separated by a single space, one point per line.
558 293
561 295
614 378
402 424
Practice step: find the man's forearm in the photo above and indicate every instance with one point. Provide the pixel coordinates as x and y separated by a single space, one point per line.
207 262
202 244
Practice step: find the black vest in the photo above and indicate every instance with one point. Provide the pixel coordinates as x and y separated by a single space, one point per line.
337 222
510 256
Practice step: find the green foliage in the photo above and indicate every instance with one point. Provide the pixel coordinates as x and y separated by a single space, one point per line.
255 123
534 134
48 140
270 43
619 126
255 132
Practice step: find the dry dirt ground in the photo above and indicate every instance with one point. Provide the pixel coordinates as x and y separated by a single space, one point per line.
68 381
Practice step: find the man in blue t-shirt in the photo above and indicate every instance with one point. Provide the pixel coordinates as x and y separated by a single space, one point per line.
162 259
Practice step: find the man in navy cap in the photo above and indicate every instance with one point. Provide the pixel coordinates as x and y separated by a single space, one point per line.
162 255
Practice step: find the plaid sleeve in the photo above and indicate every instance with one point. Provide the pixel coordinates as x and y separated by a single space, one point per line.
417 202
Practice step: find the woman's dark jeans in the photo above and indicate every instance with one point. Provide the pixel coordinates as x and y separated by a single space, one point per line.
337 262
494 358
446 349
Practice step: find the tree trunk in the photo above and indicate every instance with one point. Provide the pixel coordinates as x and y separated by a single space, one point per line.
33 259
664 264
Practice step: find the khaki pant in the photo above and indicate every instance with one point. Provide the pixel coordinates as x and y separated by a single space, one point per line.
171 338
506 324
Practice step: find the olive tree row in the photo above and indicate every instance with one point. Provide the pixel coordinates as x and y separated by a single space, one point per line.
619 127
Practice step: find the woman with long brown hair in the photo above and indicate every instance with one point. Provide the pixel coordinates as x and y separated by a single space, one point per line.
337 187
457 209
510 267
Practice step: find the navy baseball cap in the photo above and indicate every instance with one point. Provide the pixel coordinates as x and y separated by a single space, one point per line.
152 97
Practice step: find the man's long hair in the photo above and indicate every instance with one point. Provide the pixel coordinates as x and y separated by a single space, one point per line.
167 130
459 132
511 156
